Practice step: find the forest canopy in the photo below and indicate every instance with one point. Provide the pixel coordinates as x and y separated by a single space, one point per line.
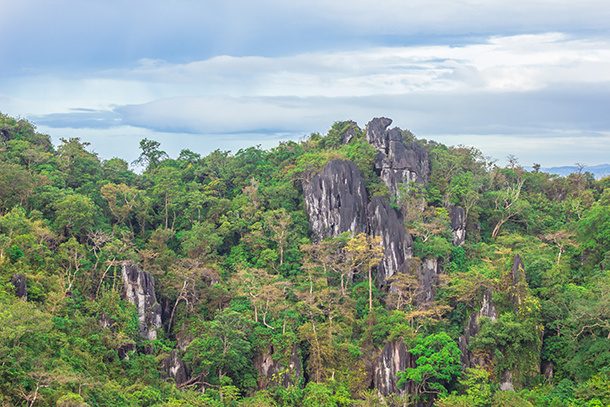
255 309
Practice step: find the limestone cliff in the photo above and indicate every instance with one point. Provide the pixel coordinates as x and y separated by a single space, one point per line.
271 371
394 358
140 291
428 278
397 242
473 327
175 368
396 163
458 225
336 200
21 289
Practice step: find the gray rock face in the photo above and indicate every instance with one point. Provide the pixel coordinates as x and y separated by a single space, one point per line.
21 288
275 371
393 359
397 242
458 225
396 163
106 322
140 291
487 310
336 200
506 381
546 369
5 137
349 134
184 339
175 368
428 279
518 276
125 349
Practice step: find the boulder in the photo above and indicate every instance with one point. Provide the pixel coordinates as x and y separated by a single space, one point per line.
336 200
21 288
350 132
106 322
140 291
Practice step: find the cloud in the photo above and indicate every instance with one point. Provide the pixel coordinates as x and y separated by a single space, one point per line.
554 110
37 35
80 119
531 89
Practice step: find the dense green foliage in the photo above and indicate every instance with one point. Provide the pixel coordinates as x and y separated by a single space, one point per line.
228 242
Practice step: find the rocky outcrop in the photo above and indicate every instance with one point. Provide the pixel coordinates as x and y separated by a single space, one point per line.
394 358
5 137
546 369
428 279
349 133
106 322
272 371
140 291
184 339
518 283
21 288
396 163
336 200
506 381
397 242
458 225
488 309
175 368
125 349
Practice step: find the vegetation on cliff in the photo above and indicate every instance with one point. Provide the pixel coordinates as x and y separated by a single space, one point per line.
239 277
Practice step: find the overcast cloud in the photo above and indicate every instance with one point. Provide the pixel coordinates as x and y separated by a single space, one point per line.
530 78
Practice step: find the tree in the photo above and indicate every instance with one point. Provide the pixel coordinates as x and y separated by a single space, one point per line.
71 255
222 348
74 215
366 253
278 222
330 256
438 364
507 204
151 155
121 200
80 166
561 239
263 289
168 188
184 276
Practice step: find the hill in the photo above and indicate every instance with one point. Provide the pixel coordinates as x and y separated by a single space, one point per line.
363 267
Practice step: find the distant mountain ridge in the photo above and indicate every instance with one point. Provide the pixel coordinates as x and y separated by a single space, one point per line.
600 171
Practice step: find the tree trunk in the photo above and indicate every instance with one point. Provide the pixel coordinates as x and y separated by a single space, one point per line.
370 289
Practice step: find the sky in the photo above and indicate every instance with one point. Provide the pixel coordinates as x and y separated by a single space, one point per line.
527 78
